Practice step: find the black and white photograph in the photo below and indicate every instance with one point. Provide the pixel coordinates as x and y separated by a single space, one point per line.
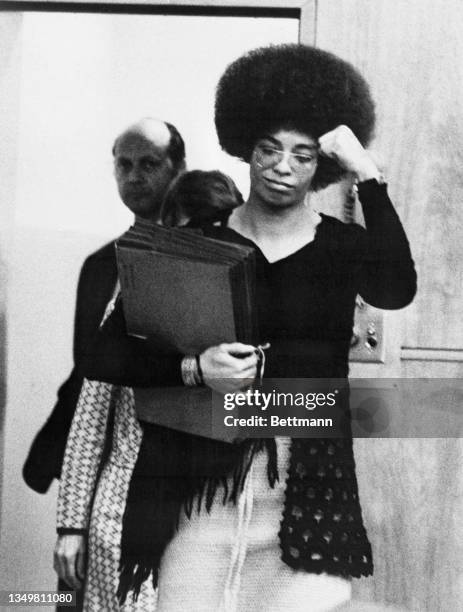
231 295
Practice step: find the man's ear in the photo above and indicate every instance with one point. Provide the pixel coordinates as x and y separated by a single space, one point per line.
181 168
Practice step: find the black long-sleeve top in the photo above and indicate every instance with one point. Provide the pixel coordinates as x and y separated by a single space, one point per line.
305 301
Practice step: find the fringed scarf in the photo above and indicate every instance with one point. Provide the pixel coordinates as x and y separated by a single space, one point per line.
175 471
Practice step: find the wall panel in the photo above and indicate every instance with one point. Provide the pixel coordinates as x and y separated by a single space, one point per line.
412 54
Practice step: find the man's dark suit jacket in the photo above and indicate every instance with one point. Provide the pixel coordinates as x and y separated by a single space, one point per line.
96 286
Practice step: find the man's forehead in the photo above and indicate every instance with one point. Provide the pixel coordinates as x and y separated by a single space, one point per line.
145 137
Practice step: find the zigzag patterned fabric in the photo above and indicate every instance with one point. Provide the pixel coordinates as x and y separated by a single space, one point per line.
106 520
82 457
103 517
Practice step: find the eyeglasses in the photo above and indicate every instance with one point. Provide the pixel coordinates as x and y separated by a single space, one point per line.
267 156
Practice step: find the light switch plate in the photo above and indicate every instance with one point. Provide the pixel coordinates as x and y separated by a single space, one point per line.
368 337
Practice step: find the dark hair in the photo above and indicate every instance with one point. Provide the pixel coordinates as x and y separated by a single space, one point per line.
205 196
176 147
291 87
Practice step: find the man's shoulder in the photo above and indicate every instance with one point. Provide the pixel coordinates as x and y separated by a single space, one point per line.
106 252
98 273
100 262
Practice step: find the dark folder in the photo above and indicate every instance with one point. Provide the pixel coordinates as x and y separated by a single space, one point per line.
187 292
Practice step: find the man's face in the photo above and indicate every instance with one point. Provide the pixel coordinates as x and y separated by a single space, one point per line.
143 172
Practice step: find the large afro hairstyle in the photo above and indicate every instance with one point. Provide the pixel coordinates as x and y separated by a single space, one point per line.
294 87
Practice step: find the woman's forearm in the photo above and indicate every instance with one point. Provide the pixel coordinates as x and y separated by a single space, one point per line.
388 277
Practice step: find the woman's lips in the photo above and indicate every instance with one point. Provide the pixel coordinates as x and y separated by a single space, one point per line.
277 185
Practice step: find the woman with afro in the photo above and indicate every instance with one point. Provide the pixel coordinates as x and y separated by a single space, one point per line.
271 525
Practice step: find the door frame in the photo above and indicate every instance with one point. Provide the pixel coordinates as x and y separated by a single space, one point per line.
303 10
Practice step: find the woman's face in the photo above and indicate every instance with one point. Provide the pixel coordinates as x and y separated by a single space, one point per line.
282 167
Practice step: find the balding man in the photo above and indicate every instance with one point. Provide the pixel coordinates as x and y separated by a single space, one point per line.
148 155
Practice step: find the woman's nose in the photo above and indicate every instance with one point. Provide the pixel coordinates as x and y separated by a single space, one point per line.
283 166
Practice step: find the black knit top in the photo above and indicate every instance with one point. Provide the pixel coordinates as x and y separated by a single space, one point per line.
306 307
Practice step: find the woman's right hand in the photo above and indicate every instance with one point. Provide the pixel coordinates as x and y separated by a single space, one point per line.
227 368
69 559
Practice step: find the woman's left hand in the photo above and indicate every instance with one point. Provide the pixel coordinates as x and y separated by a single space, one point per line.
342 145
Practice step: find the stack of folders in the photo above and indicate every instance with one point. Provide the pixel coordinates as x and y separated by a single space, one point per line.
184 292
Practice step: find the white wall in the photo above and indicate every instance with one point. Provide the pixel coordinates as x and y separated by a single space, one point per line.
73 82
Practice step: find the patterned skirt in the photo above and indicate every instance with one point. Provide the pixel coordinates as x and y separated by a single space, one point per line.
104 546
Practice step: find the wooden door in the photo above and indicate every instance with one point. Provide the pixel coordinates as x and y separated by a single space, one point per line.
411 52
